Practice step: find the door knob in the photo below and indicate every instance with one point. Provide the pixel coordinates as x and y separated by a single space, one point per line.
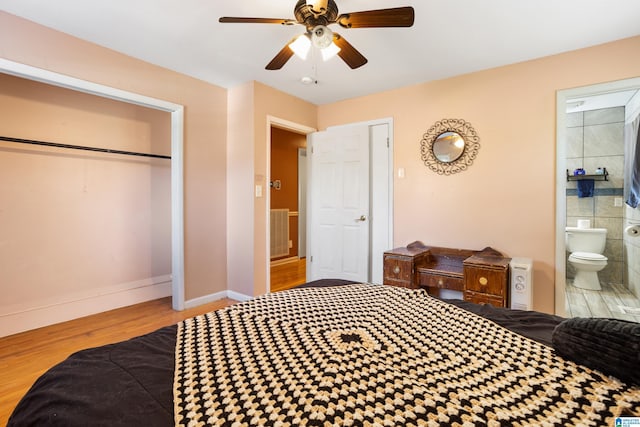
362 218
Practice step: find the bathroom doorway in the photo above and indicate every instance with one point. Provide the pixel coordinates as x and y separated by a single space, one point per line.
591 125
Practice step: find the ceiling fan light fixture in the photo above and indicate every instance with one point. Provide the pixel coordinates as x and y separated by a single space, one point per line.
321 37
301 46
330 51
316 16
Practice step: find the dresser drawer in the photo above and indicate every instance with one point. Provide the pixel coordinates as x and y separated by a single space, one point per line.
441 282
480 298
487 281
399 271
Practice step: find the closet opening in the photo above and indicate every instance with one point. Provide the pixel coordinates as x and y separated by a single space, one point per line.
91 199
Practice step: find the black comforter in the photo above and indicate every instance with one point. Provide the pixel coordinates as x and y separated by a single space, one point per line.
131 383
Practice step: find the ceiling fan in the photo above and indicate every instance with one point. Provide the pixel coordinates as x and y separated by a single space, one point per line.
316 16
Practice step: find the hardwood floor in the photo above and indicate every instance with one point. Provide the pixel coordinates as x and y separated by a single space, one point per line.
25 356
286 275
613 301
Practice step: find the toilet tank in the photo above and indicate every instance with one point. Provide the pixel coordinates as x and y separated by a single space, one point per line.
586 239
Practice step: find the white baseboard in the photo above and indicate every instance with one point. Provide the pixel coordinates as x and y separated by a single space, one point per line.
238 296
36 314
215 297
205 299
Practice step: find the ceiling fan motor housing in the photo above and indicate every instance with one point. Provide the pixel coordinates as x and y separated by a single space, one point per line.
305 14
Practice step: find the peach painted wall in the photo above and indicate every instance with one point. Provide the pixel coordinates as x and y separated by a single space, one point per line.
78 224
270 102
204 132
250 106
506 199
240 188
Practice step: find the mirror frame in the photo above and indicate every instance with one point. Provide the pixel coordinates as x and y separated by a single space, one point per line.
471 146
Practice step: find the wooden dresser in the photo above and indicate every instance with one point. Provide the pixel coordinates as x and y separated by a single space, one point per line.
486 278
400 265
481 276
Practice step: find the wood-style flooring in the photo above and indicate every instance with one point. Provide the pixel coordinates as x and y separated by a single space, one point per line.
26 356
287 274
613 301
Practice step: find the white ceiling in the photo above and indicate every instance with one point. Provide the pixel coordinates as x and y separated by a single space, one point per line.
449 37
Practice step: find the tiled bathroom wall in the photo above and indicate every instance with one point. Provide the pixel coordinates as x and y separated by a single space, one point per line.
596 139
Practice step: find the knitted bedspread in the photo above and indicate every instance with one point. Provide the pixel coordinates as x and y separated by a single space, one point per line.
378 355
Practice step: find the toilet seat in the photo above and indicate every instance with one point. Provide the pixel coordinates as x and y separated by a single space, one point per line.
588 256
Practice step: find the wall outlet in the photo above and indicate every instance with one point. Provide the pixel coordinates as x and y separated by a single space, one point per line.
258 190
290 244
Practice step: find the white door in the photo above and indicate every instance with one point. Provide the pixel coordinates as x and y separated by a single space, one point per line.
338 204
381 202
302 202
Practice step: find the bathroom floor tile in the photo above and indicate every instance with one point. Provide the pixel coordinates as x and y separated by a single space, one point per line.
609 302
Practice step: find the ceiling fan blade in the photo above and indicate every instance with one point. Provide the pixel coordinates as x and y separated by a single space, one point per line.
282 57
348 53
233 20
395 17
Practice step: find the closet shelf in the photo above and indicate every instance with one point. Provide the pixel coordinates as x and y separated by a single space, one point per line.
596 177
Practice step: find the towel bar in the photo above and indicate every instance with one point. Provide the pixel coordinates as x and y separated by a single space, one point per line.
596 177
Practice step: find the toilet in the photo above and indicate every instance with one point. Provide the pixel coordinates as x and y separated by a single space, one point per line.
586 246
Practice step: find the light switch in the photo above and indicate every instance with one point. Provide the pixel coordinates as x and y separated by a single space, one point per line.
258 190
617 202
400 172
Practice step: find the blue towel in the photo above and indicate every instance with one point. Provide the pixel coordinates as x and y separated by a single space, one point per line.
633 187
585 188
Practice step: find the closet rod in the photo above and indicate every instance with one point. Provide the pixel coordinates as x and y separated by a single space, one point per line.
81 147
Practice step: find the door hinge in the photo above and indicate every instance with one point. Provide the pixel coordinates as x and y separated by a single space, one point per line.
387 142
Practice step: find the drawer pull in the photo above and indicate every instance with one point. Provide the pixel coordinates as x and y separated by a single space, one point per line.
483 281
396 270
440 282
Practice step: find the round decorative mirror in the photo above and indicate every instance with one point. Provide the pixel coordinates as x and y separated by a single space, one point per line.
449 146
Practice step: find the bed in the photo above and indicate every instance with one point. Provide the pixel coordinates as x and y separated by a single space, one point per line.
334 352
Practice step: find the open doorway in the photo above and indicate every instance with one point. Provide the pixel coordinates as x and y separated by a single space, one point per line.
287 220
592 123
381 197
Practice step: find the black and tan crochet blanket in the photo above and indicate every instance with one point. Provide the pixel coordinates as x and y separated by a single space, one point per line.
378 355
